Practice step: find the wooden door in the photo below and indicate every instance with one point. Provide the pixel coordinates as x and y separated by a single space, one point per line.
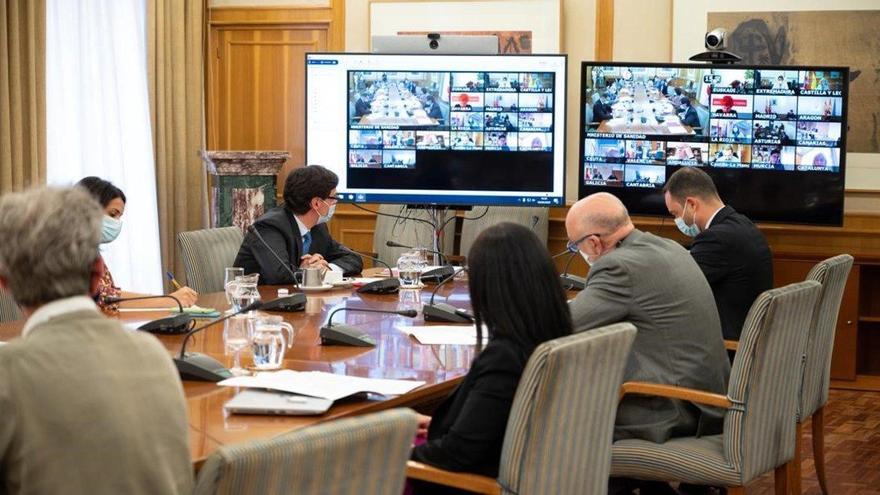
256 75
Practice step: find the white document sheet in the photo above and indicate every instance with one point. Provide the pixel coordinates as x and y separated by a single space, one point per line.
444 334
321 384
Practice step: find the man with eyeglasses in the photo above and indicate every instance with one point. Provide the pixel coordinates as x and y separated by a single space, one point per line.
297 231
656 285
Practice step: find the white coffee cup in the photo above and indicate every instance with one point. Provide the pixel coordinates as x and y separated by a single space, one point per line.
332 277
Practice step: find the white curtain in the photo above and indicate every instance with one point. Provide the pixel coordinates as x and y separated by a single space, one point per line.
98 121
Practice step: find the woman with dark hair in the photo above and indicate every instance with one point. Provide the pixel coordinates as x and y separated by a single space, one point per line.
515 293
113 200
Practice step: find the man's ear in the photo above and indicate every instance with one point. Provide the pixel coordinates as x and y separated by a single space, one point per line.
98 269
4 284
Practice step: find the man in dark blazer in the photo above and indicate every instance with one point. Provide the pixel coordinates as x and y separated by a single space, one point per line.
297 231
656 285
732 253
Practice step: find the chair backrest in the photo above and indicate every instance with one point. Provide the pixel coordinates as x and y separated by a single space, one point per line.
362 455
559 434
759 429
8 309
206 253
535 218
832 274
413 230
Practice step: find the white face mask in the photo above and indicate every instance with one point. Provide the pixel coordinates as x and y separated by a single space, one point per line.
326 218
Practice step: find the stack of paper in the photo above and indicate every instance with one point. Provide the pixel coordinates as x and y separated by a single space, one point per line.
444 334
321 384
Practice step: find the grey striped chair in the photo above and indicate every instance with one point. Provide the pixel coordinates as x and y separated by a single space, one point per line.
558 437
536 219
412 231
761 402
8 309
832 274
365 455
206 253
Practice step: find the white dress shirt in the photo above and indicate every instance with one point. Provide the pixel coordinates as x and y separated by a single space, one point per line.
713 217
302 232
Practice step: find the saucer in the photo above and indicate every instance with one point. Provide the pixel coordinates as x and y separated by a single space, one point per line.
320 288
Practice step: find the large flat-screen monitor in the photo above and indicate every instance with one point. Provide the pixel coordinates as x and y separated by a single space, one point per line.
772 138
439 129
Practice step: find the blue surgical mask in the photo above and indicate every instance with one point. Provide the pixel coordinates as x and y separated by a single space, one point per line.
326 218
110 229
688 230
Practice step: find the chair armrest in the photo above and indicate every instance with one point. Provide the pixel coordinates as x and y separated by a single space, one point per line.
673 392
731 345
464 481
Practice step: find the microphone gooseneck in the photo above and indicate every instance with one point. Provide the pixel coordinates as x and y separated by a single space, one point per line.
443 282
411 313
364 255
259 236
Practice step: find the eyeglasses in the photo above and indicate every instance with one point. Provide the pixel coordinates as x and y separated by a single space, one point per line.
573 245
334 198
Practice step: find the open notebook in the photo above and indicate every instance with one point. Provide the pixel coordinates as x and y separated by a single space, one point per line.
321 384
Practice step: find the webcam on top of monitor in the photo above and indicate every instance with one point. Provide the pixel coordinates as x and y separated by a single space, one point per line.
716 46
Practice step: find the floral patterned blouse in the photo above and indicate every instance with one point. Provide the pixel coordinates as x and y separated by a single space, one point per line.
106 288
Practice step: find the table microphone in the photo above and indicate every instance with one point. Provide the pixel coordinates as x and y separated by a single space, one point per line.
435 276
198 366
341 334
445 312
293 302
569 281
170 325
384 286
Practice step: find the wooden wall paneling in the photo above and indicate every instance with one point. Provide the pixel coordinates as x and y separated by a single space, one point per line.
605 30
256 75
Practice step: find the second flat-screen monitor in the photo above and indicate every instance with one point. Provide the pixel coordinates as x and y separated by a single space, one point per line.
772 138
439 129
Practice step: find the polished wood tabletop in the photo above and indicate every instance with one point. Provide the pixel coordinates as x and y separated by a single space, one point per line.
396 355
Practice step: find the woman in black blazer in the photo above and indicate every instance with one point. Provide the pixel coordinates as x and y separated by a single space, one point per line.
515 292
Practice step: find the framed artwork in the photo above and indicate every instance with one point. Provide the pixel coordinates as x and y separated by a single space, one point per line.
803 38
522 26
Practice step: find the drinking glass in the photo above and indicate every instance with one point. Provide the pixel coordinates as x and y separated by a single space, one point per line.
408 270
237 334
229 277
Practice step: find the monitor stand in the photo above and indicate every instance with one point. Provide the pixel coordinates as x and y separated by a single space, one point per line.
437 215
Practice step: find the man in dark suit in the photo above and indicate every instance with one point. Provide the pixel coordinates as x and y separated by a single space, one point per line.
602 111
361 106
656 285
689 114
297 231
732 253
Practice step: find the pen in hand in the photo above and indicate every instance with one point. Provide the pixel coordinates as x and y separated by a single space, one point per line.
173 280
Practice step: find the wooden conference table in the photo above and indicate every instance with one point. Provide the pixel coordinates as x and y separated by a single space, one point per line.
396 355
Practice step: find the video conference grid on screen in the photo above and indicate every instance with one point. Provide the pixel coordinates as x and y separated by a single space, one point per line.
394 114
639 120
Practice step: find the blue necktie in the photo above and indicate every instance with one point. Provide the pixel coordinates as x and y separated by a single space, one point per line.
307 242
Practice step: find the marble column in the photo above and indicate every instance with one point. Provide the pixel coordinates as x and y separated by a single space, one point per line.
243 185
